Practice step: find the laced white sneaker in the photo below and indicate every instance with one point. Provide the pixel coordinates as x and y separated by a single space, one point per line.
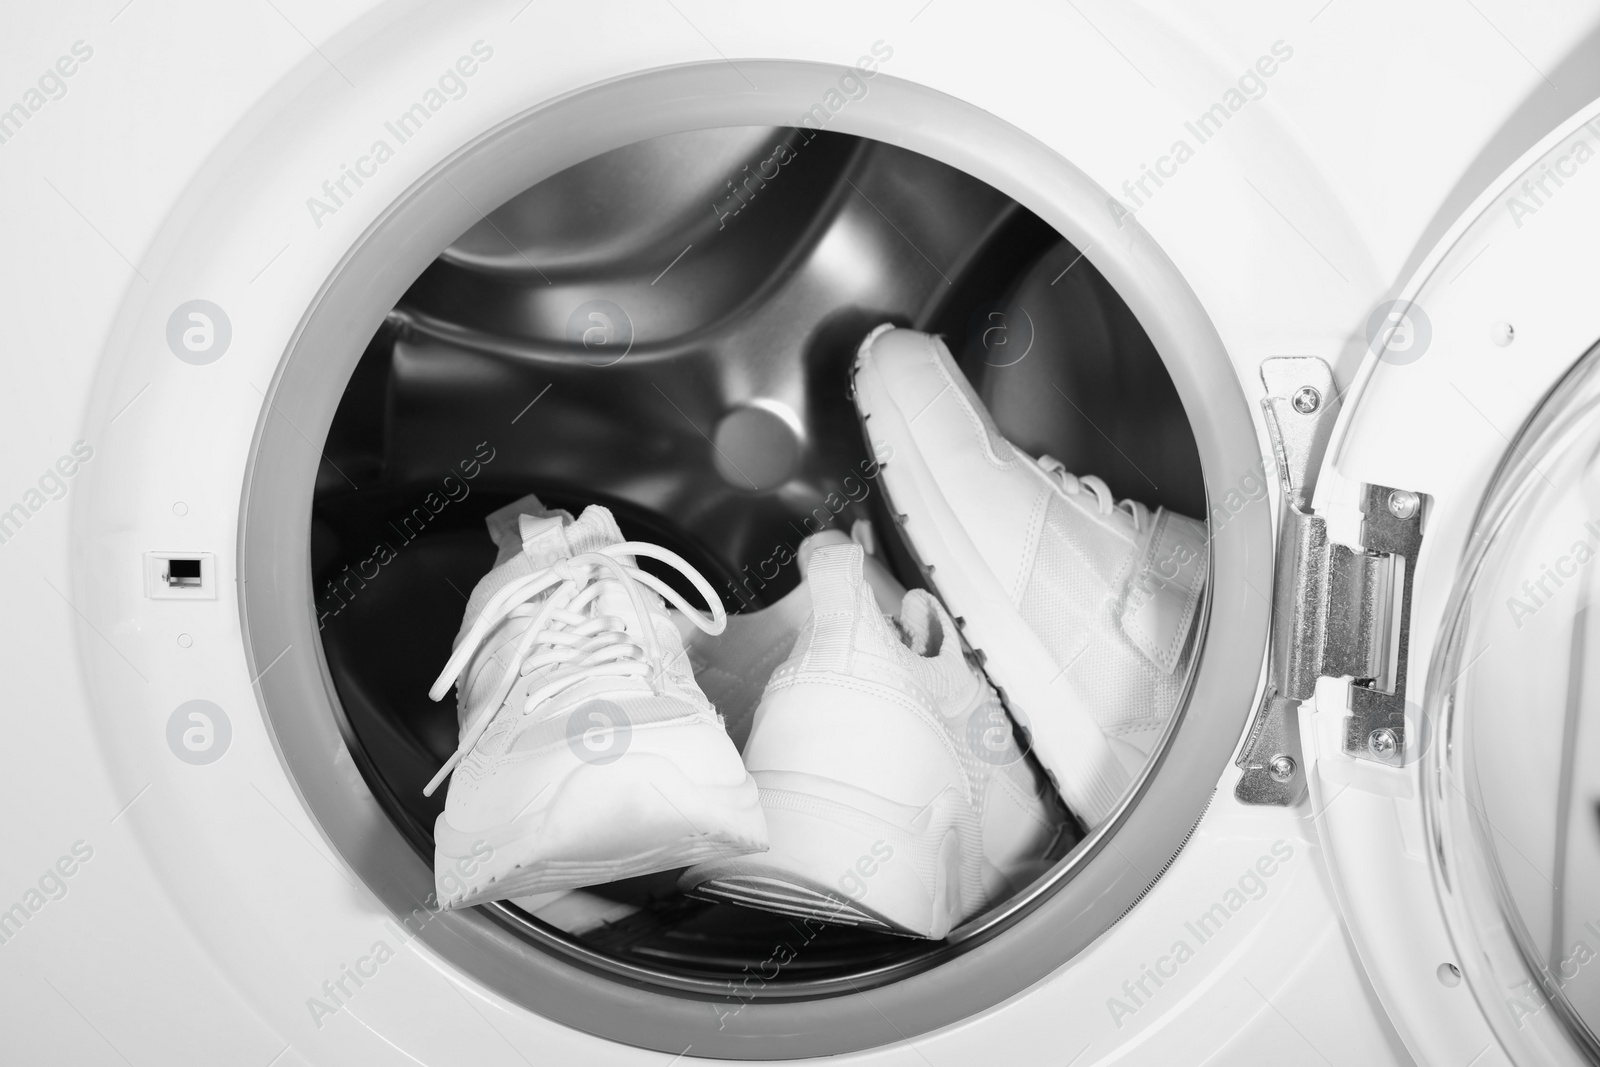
587 751
1082 608
894 795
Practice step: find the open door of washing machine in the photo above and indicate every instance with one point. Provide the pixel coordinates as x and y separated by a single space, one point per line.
1436 551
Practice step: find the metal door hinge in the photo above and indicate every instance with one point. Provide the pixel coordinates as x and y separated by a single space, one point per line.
1338 611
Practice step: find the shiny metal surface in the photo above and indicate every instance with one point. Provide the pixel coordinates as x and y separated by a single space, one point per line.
1339 612
1299 424
666 329
1298 421
1378 695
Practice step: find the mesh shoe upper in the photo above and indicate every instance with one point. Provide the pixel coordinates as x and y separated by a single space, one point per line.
537 540
525 733
894 708
1100 592
733 667
1110 589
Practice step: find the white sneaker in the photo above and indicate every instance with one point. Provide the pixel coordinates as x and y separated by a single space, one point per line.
893 796
1081 608
587 751
732 667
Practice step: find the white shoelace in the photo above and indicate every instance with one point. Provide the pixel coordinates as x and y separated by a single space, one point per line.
568 636
1074 483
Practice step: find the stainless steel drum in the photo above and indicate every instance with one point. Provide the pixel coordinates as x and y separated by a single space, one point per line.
666 329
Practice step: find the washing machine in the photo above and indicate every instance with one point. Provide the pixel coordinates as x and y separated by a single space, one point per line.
297 295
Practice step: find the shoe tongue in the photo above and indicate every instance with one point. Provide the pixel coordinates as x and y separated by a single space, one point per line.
838 587
816 541
550 538
503 524
833 575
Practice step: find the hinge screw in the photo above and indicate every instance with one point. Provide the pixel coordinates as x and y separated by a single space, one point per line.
1306 400
1403 504
1281 768
1382 743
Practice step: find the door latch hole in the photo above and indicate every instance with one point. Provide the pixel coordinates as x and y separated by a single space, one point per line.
182 574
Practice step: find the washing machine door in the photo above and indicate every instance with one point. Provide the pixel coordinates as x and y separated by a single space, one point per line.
1441 568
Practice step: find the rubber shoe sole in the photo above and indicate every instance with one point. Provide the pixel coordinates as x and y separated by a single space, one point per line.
892 868
602 823
1064 734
